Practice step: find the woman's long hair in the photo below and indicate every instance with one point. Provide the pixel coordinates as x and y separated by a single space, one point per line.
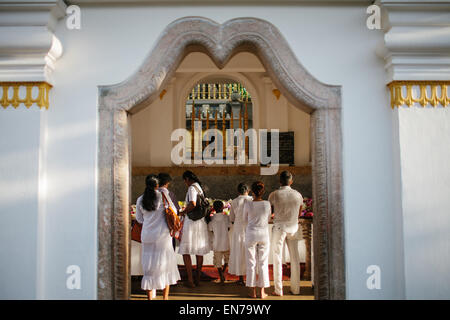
191 176
149 198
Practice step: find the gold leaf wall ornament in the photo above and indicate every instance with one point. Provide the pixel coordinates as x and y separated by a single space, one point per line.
424 98
276 93
13 99
161 95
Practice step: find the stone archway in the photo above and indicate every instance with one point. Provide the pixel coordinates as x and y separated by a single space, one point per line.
220 42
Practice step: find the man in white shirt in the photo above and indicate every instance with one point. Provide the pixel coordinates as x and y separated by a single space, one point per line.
286 206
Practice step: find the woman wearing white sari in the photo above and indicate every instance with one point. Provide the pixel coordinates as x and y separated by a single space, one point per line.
195 235
237 264
159 261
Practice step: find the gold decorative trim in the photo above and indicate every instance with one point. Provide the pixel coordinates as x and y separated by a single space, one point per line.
276 93
41 100
218 91
398 100
161 95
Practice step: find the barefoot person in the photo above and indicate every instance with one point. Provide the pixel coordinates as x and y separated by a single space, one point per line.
286 203
159 261
195 236
257 214
220 225
237 251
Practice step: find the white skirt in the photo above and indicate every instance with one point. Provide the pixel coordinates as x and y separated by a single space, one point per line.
238 263
159 263
195 238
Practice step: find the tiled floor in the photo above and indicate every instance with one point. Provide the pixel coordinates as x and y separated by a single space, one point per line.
209 290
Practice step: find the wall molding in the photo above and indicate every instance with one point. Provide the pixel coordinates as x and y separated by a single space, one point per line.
415 44
28 46
423 93
31 98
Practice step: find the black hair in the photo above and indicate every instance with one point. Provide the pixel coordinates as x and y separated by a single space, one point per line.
149 198
218 206
191 176
242 188
258 188
285 177
164 178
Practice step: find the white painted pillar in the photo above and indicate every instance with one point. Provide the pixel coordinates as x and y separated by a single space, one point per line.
26 27
424 158
416 49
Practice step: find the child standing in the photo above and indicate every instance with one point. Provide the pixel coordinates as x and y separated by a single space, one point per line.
257 214
219 225
237 250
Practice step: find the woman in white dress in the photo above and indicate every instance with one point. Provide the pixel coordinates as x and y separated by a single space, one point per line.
159 261
257 214
195 235
237 264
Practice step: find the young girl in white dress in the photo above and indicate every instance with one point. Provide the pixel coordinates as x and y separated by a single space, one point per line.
220 225
195 235
159 261
237 264
257 214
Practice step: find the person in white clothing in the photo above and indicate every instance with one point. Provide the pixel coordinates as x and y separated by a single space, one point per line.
159 261
257 214
237 250
164 181
195 235
286 203
220 225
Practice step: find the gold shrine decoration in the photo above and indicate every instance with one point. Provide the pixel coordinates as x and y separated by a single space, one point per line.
14 99
161 95
217 91
197 104
428 93
276 93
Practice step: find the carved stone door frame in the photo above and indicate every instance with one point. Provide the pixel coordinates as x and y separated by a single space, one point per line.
220 42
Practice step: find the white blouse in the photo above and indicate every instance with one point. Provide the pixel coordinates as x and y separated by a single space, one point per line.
257 215
192 193
219 225
154 225
237 209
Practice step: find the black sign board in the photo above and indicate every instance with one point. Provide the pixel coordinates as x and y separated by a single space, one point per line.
286 147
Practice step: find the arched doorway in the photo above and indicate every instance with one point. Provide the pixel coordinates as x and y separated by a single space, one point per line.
220 42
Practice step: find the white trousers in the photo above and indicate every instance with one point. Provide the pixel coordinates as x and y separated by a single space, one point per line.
257 258
279 236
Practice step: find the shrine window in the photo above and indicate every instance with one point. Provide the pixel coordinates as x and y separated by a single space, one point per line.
220 105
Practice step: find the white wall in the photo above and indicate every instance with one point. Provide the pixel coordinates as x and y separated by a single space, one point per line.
425 157
19 201
332 43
